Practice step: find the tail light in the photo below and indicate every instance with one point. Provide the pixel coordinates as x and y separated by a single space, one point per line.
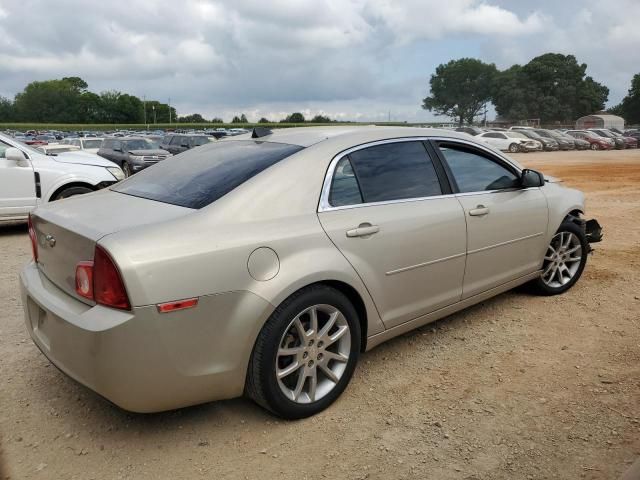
101 281
34 239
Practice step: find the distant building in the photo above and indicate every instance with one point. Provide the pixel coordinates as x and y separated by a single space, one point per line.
600 120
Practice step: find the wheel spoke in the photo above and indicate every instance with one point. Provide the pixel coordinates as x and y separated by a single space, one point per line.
313 314
336 336
313 383
288 370
302 376
338 357
329 325
287 352
302 332
567 243
329 373
574 249
573 259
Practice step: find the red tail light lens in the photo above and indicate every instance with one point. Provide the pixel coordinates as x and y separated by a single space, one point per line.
101 281
34 239
108 287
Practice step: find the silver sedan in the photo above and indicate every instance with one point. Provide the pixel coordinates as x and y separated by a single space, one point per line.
265 264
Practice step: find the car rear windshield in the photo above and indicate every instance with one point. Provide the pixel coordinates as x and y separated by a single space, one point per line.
198 177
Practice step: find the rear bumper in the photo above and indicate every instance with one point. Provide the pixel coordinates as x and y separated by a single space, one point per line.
141 360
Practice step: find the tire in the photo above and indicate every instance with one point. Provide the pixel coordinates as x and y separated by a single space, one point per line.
595 146
126 169
514 148
293 395
561 268
72 191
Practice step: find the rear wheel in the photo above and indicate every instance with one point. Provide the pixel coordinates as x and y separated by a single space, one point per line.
514 148
305 354
564 260
72 191
595 146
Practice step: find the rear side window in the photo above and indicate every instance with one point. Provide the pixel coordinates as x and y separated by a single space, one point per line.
476 173
344 188
395 171
198 177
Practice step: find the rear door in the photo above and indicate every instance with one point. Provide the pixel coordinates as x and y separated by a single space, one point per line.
388 208
17 186
506 224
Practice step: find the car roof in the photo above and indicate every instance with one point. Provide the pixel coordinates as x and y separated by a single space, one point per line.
307 136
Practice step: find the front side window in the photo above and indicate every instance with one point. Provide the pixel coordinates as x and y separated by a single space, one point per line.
213 171
395 171
476 173
140 144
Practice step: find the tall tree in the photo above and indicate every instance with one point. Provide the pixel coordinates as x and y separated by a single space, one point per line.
460 89
6 110
630 106
51 100
296 117
551 87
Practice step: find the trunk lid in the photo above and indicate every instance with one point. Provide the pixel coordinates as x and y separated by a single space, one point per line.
68 230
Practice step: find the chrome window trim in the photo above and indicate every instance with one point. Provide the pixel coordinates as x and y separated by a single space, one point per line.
325 206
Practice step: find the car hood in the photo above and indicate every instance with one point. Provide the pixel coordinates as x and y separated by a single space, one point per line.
82 158
149 152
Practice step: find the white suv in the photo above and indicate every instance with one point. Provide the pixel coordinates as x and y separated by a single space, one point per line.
29 178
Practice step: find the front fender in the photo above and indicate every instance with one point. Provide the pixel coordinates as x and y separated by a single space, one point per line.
562 201
70 178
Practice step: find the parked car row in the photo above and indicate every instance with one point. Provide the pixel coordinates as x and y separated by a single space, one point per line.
527 139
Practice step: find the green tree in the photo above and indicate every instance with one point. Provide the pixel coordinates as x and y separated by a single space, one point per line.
216 120
296 117
6 110
630 106
551 87
243 118
460 89
51 101
320 119
264 120
160 112
193 118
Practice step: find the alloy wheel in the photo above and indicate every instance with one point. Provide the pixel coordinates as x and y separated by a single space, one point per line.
562 260
313 353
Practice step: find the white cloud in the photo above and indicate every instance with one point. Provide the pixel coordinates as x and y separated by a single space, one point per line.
346 58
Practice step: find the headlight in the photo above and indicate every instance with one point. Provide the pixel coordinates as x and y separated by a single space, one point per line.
117 173
136 158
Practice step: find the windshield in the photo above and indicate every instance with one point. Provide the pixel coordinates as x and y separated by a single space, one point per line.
197 141
91 143
517 135
544 133
213 171
140 144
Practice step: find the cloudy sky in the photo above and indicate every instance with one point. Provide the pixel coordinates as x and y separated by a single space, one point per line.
350 59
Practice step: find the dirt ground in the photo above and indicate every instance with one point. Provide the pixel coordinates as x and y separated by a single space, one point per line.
518 387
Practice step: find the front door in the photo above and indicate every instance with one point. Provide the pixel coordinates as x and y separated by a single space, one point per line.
17 186
506 224
387 212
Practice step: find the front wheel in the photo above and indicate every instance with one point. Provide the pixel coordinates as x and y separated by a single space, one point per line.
126 169
305 354
564 260
72 191
595 146
514 148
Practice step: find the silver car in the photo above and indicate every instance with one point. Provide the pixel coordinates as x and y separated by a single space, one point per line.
264 264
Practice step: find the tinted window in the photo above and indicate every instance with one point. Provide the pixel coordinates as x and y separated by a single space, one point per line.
475 173
197 141
395 171
344 187
177 140
140 144
213 171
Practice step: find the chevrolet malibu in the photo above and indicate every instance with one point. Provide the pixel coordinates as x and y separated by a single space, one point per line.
276 258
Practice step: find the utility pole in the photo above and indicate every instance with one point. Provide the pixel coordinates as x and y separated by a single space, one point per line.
144 106
169 103
153 107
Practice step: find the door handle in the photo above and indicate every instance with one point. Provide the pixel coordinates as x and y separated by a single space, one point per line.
479 211
363 230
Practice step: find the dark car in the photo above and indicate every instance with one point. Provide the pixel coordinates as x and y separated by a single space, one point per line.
603 132
629 142
178 143
132 153
470 130
563 144
633 133
564 141
548 142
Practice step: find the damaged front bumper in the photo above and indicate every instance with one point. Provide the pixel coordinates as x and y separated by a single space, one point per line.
593 230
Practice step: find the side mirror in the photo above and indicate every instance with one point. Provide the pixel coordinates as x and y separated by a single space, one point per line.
531 178
15 155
